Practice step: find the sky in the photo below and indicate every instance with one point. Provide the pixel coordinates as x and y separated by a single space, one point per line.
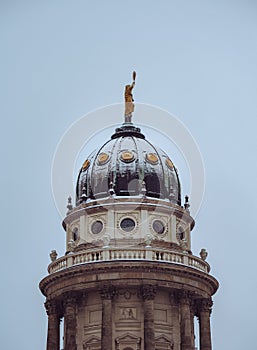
60 60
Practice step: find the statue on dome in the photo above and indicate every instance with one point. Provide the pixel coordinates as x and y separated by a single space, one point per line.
129 105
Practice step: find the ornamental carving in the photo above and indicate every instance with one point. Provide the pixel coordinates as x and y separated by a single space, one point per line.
97 225
185 296
180 230
158 225
129 341
128 313
92 343
107 292
51 307
69 302
125 219
204 305
163 342
148 292
126 293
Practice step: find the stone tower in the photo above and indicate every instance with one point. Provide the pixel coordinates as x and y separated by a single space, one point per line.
128 280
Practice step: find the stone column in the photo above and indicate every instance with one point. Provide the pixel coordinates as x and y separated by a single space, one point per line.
186 327
175 320
53 332
192 314
70 322
148 294
107 293
204 312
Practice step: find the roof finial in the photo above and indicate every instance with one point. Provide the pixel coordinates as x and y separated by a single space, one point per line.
129 105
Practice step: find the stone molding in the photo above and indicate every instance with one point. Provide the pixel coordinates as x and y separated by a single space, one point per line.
145 204
54 284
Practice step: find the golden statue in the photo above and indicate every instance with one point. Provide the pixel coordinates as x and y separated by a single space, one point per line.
129 105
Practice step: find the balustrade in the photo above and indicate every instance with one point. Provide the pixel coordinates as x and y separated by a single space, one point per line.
109 254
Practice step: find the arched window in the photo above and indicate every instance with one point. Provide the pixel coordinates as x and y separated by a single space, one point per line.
75 234
180 233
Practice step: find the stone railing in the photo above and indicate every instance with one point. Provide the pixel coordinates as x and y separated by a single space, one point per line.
111 254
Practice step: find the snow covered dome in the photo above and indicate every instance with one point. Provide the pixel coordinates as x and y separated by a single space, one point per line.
128 165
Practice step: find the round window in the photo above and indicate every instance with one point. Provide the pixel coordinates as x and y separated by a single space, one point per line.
127 225
158 226
97 227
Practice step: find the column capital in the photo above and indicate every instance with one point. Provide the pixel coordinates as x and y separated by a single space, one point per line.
107 292
204 305
148 291
52 307
53 328
69 302
185 296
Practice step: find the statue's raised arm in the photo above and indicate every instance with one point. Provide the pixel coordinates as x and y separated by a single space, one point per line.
129 105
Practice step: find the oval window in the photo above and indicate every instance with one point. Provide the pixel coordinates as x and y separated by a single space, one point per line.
127 225
158 227
97 227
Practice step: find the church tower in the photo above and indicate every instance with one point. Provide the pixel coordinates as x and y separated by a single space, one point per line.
128 279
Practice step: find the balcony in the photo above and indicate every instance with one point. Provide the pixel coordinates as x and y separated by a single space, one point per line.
98 255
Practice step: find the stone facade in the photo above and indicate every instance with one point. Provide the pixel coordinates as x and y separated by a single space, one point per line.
128 279
128 306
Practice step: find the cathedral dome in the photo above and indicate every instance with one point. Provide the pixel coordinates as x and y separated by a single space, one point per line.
128 165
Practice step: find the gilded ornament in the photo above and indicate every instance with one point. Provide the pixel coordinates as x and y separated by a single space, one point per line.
85 165
169 164
127 156
103 158
152 158
128 96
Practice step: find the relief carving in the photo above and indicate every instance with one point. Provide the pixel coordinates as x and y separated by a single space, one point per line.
107 292
128 313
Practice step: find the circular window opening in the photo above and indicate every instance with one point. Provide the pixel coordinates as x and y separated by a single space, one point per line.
97 227
127 225
158 226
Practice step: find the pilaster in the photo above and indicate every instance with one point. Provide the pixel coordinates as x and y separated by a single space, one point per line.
107 293
148 295
174 301
70 322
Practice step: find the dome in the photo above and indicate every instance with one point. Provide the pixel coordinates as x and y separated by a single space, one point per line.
128 165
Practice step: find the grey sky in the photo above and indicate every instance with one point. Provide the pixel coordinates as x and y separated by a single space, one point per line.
62 59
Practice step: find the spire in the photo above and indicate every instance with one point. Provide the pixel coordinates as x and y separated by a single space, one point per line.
128 96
